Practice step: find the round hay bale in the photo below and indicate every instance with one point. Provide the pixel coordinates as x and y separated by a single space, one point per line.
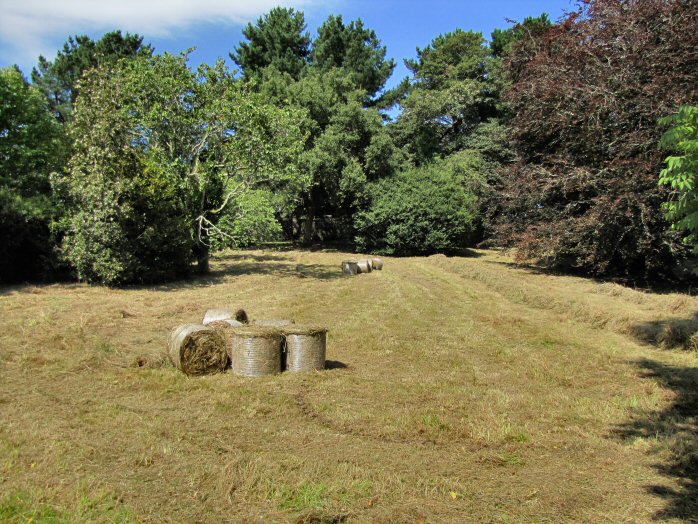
213 315
196 349
349 267
255 351
377 263
273 323
226 324
364 266
226 328
305 348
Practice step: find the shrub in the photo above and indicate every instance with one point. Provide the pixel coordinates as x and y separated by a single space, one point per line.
420 211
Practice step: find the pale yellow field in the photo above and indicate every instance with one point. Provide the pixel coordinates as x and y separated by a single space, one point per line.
461 390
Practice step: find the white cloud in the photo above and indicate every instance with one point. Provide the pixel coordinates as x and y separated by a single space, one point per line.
30 27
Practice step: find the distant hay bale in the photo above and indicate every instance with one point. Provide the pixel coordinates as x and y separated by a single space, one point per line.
213 315
377 263
305 348
196 349
349 267
364 266
273 323
255 351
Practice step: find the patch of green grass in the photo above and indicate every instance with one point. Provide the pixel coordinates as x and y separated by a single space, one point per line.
434 422
20 507
510 459
307 496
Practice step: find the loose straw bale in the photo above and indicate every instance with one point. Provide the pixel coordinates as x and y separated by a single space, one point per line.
255 351
196 349
305 348
377 264
364 266
349 267
273 323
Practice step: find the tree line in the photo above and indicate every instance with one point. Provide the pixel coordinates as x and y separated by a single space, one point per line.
120 165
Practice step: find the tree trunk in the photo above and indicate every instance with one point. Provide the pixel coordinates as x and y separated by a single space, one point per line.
307 238
202 259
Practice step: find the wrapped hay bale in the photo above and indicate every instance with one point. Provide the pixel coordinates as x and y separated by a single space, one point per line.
305 348
196 349
349 267
272 323
377 263
255 351
364 266
212 315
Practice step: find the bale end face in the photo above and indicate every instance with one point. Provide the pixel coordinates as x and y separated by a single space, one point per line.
349 267
214 315
377 264
196 349
364 266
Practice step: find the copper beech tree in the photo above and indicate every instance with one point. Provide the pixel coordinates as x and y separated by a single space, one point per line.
586 100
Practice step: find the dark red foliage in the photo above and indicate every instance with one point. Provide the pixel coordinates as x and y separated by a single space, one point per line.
584 194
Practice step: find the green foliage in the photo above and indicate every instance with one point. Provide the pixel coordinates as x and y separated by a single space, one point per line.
124 223
356 50
250 221
278 39
335 84
162 154
503 39
30 148
455 88
422 210
58 79
681 172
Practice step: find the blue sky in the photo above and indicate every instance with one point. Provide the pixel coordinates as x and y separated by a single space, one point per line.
32 27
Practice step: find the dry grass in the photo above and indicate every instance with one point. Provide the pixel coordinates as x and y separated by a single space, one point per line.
461 389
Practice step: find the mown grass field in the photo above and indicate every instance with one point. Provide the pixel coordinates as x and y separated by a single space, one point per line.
460 390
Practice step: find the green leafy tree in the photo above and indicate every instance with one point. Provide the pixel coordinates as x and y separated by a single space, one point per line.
29 139
278 39
681 172
529 29
166 154
347 143
455 88
355 49
58 79
422 210
251 220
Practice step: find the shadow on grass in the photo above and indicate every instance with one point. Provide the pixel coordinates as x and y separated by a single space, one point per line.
676 430
669 333
335 364
276 264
